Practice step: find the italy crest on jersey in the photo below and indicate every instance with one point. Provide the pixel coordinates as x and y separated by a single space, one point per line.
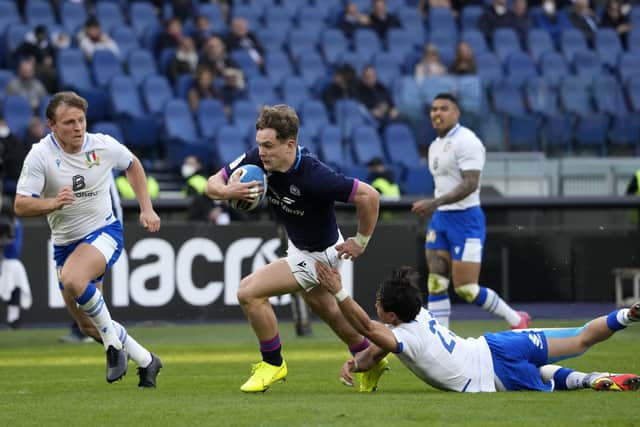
92 159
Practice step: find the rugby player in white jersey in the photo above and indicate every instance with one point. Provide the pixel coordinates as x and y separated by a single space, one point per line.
66 176
502 361
456 232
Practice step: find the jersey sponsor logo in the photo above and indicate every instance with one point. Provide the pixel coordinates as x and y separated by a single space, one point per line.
287 200
78 182
302 264
294 190
92 159
237 161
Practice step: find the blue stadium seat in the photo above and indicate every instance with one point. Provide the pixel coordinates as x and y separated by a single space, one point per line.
366 42
143 18
523 132
366 144
553 68
542 97
401 43
248 66
471 95
210 117
72 16
358 60
108 128
401 145
475 39
331 148
571 41
587 64
109 15
300 40
252 13
633 91
230 143
216 19
433 85
104 66
505 42
244 114
73 73
489 68
126 39
608 46
39 12
314 116
446 44
591 131
633 39
557 133
5 77
539 42
14 36
575 97
405 89
507 99
183 83
156 92
333 44
520 68
413 24
470 16
417 181
272 41
182 134
608 96
278 16
387 68
8 15
261 92
306 139
311 67
625 131
17 113
308 13
278 67
139 128
349 114
141 65
628 64
441 20
295 91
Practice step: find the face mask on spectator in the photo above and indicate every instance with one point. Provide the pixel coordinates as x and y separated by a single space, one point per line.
500 9
187 170
549 7
4 131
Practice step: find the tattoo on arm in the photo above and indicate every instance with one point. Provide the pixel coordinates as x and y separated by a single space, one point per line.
470 182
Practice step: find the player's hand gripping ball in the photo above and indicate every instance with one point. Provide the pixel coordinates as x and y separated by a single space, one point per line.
248 173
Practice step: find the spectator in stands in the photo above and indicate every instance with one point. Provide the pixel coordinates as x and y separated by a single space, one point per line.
464 62
351 19
185 60
375 96
613 18
496 16
584 19
430 64
425 5
214 55
342 86
241 38
38 45
382 179
380 20
201 208
552 20
182 9
26 84
171 36
202 88
92 38
202 31
522 20
36 130
125 190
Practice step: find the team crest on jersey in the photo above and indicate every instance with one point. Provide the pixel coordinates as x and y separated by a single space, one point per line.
431 236
92 159
294 190
435 164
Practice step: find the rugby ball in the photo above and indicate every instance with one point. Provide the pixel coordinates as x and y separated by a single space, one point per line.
248 173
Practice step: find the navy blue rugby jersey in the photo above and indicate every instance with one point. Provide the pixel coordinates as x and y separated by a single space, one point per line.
303 197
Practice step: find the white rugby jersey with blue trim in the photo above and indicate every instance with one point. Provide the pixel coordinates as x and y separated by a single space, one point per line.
460 150
441 359
47 169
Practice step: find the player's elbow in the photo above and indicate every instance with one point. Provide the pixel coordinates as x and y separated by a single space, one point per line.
19 207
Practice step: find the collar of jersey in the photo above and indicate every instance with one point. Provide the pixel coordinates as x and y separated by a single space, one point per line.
453 130
53 139
297 162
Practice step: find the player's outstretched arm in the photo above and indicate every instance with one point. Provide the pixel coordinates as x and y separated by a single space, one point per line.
219 189
138 180
376 332
469 184
367 201
35 206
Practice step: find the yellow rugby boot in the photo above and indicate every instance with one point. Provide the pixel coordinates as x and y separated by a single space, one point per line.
263 376
368 380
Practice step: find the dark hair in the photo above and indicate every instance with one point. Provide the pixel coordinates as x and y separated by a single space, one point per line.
69 98
281 118
400 293
448 97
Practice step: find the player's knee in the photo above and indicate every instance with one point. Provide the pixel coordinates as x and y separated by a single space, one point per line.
245 292
72 282
437 284
469 292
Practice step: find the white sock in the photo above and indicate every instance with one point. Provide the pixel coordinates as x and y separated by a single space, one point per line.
98 313
623 317
13 313
441 310
575 380
496 305
138 353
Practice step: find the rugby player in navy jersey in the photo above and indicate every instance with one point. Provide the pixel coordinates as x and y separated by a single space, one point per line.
302 191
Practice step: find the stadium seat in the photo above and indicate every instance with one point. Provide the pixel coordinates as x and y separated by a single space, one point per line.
357 60
366 42
489 68
491 131
629 63
8 15
139 128
523 132
104 66
401 145
539 42
308 13
349 114
5 77
417 181
143 18
387 68
73 15
446 44
475 39
278 67
156 92
433 85
300 40
366 144
210 117
311 67
141 65
244 61
520 68
541 97
244 115
633 39
625 132
553 68
587 64
314 116
505 42
261 92
571 41
279 17
608 96
331 148
306 139
575 97
333 44
441 20
401 43
591 131
216 18
109 15
507 99
126 39
39 12
470 16
608 46
17 113
230 143
13 37
413 24
295 91
557 133
633 91
73 73
182 135
252 13
108 128
471 95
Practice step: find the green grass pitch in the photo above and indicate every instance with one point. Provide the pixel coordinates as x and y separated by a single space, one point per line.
45 383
